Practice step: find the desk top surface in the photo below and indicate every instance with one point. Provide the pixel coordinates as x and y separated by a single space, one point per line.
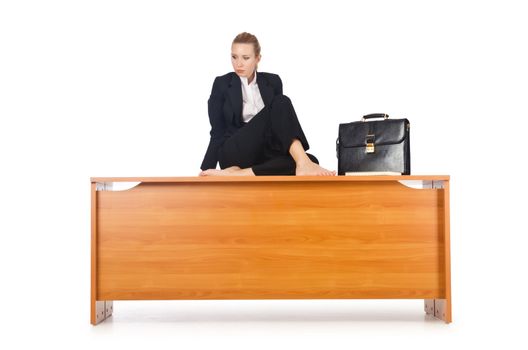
274 178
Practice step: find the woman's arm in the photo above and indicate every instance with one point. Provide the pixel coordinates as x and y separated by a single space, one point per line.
216 119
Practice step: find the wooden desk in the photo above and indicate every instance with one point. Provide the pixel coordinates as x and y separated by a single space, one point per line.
276 237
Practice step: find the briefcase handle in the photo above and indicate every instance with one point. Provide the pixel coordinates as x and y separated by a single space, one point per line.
375 116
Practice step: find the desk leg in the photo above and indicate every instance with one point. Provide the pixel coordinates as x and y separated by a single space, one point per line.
100 310
437 308
429 306
441 308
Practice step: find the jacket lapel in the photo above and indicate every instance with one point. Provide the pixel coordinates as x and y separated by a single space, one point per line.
235 94
235 97
266 90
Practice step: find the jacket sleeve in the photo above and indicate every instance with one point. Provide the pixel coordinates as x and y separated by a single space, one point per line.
216 119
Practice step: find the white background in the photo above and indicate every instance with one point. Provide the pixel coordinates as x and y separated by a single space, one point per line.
119 88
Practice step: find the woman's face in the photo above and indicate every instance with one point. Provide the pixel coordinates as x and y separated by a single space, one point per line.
243 59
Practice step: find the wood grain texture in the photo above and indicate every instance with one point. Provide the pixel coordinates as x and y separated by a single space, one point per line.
277 239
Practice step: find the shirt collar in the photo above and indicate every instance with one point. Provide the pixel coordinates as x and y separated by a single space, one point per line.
244 80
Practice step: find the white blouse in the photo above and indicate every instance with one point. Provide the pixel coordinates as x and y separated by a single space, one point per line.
252 101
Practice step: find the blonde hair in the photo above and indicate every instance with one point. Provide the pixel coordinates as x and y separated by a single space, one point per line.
248 38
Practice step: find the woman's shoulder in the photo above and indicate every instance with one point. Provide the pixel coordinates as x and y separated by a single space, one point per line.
273 79
224 79
227 76
270 76
222 82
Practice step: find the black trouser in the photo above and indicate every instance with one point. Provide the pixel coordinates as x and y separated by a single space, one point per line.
264 143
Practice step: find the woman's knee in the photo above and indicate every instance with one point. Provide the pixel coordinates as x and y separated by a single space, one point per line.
280 99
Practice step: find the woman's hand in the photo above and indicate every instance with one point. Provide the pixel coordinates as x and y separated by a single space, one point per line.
231 171
209 172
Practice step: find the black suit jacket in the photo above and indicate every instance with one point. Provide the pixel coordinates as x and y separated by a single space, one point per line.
225 109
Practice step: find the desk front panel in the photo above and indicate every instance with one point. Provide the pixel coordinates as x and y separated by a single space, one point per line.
270 240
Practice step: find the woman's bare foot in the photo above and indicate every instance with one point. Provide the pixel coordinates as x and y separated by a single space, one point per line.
231 171
310 168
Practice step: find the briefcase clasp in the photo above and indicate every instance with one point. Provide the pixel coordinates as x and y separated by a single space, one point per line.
369 142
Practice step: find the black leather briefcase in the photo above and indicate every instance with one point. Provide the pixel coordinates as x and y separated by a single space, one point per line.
374 145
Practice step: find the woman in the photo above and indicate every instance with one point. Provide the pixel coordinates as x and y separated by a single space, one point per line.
254 128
